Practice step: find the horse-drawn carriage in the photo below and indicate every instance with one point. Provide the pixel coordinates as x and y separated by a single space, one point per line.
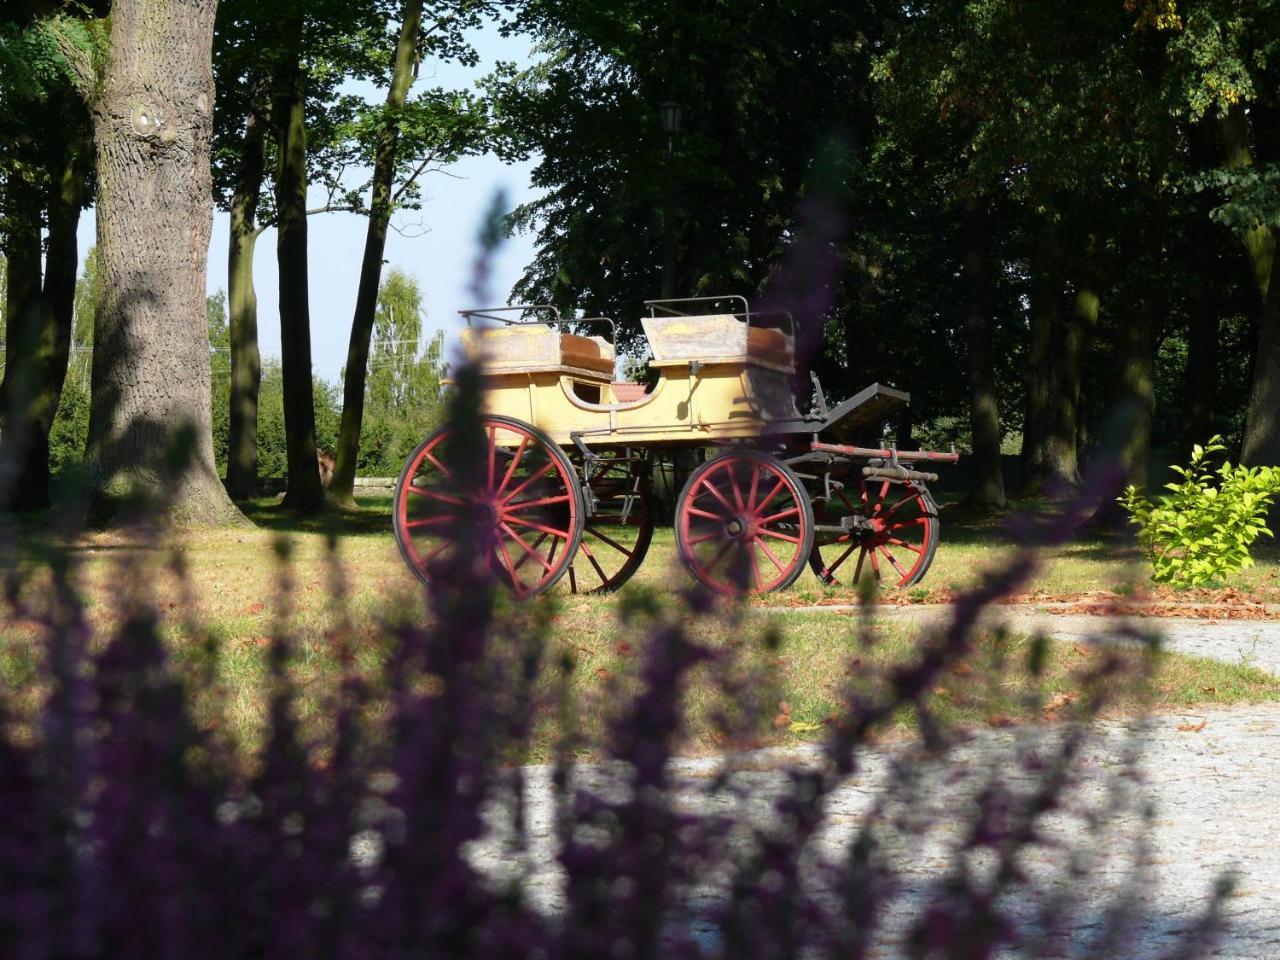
565 487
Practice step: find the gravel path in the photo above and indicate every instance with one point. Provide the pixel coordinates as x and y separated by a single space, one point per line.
1212 779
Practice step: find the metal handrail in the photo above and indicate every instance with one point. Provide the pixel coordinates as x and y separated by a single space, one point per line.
662 305
494 314
746 314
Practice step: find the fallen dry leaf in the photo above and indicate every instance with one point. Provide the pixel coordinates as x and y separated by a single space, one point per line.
1000 720
1193 727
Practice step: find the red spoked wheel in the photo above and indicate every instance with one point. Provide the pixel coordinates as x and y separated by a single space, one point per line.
744 524
619 526
891 529
519 512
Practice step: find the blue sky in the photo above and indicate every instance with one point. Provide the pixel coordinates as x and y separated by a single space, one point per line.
441 258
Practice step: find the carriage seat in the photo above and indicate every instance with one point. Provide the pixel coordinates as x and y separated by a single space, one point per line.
771 346
717 338
537 348
586 353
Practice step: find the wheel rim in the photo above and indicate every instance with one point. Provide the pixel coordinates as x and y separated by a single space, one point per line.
742 525
520 523
895 543
616 536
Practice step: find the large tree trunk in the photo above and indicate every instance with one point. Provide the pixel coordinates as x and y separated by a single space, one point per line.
1046 291
344 473
1261 446
1137 352
986 491
305 492
1262 428
153 118
242 298
1072 332
1202 264
38 336
23 333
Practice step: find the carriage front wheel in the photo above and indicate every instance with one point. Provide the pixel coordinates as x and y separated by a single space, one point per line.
744 524
891 533
509 502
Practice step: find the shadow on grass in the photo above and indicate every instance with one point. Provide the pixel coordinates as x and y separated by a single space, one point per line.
370 517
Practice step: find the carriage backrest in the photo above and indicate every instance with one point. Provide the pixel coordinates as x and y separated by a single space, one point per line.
538 348
717 338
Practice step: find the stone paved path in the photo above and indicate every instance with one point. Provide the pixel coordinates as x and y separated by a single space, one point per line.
1215 787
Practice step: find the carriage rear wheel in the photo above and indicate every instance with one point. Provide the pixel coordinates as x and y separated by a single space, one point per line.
744 524
511 504
895 536
617 533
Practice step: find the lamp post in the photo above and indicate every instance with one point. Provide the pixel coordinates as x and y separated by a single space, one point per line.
669 114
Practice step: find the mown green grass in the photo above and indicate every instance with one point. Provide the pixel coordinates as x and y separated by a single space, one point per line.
236 576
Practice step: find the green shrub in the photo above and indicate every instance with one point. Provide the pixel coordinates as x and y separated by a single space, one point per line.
1201 530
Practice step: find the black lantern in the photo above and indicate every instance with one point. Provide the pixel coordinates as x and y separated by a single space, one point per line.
670 114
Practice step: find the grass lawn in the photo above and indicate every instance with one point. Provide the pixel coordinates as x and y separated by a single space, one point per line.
797 687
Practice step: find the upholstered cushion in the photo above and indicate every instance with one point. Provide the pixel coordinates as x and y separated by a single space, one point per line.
584 353
769 346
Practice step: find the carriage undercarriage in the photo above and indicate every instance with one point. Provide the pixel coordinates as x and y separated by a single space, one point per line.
566 491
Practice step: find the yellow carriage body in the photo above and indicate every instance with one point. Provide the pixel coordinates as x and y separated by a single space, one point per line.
718 379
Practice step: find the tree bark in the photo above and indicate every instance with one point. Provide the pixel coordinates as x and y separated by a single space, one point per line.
344 474
39 321
1261 445
1046 291
1202 265
986 491
1137 353
150 436
242 300
1073 330
304 491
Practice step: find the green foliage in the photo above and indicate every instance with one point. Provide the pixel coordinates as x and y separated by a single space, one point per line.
220 367
402 392
1201 530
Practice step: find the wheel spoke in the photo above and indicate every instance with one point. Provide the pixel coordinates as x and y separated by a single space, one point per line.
755 567
769 553
516 585
592 559
438 465
537 475
771 494
831 570
779 536
740 504
695 541
534 525
902 543
536 544
493 453
541 502
524 546
755 489
857 570
436 495
703 513
708 485
781 515
899 504
609 540
511 467
892 560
